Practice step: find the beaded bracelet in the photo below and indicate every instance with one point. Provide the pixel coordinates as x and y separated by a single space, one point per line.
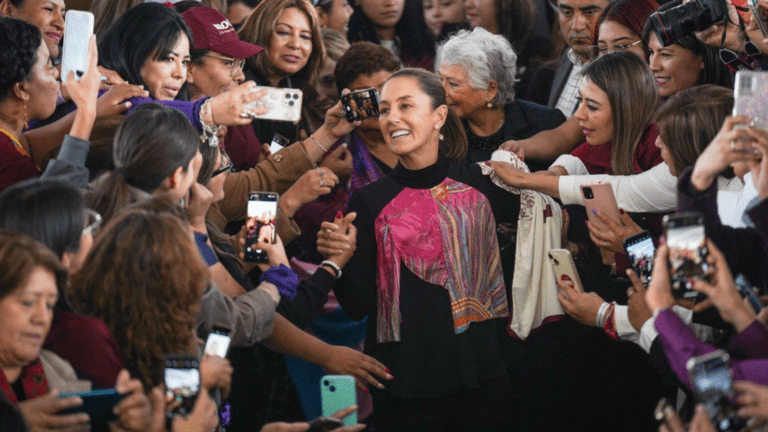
209 132
332 265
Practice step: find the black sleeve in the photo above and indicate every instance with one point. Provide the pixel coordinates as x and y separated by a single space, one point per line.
356 290
311 296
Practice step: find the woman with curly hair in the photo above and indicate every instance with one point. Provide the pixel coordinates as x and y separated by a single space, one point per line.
144 273
28 90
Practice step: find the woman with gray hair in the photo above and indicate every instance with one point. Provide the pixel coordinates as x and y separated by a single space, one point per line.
478 72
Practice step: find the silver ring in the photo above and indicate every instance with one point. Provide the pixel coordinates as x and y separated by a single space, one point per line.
321 183
103 78
630 292
733 144
321 173
605 243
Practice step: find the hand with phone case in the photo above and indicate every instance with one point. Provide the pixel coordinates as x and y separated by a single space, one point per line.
41 413
722 292
612 233
581 306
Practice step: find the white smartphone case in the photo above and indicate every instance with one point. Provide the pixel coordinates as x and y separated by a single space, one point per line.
75 56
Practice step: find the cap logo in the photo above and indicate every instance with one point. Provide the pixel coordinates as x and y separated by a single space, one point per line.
224 25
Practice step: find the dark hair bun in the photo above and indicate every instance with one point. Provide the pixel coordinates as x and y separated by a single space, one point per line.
19 42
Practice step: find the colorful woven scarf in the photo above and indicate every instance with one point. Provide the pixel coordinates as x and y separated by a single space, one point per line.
32 381
365 170
441 235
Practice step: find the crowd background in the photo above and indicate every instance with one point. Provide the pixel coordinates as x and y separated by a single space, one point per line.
411 249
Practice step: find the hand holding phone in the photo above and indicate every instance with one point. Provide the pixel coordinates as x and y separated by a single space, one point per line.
277 104
713 386
688 252
182 382
261 224
338 392
325 424
218 342
98 404
599 198
641 253
361 104
565 268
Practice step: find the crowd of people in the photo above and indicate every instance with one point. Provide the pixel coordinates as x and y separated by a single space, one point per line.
412 249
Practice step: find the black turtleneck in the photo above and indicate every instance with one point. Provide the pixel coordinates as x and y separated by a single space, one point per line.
430 360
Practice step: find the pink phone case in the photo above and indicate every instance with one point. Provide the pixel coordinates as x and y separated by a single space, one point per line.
602 201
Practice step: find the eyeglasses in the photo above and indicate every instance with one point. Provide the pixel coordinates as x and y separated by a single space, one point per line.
596 51
92 221
226 165
237 64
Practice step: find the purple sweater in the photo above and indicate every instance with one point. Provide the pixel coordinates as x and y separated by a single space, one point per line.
680 344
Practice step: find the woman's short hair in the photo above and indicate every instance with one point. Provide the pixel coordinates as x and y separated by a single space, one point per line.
486 57
19 256
144 272
363 58
690 119
632 14
149 145
148 31
454 145
633 95
19 42
50 212
259 27
714 71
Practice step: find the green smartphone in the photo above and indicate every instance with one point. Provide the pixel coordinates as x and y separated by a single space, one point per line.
338 392
98 404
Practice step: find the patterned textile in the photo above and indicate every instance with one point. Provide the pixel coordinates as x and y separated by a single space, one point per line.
440 235
32 381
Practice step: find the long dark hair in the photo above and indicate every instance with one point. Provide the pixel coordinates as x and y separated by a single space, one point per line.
147 31
150 144
714 71
416 41
454 145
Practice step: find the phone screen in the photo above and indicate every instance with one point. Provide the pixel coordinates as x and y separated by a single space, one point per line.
712 378
687 258
361 104
217 343
182 383
641 252
262 214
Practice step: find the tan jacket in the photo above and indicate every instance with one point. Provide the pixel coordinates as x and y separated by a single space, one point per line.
276 174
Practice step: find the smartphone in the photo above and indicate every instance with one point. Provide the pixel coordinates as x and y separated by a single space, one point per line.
98 404
713 386
599 197
278 143
759 16
75 52
641 252
324 424
748 291
361 104
262 217
687 252
336 393
281 104
750 97
218 342
565 267
182 381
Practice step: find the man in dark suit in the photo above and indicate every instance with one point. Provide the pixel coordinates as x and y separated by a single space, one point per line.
577 20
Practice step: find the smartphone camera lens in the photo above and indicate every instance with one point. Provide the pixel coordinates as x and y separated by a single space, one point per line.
296 97
557 263
333 389
290 103
326 383
588 193
287 96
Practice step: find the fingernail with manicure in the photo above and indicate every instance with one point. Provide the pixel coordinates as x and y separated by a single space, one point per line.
594 212
339 215
621 211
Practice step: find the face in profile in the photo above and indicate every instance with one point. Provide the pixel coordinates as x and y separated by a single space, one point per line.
42 85
290 46
461 97
594 114
164 73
